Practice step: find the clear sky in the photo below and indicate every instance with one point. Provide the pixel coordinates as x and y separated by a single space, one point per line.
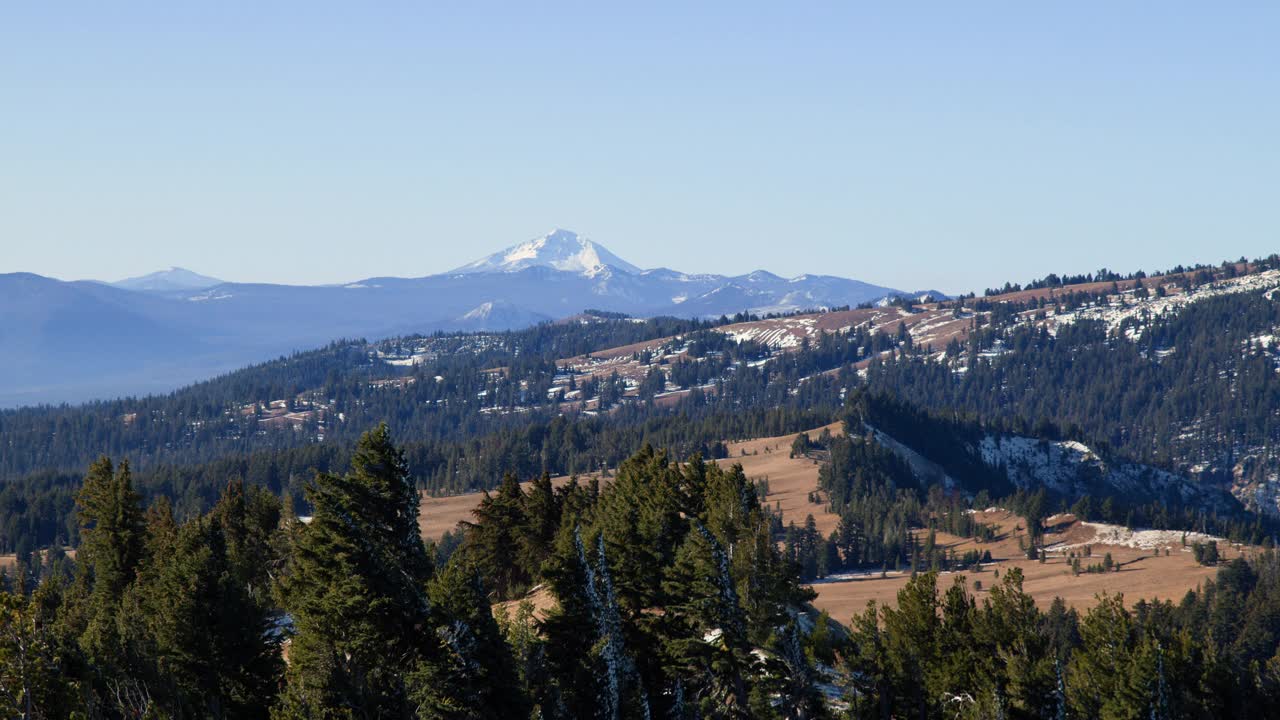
946 145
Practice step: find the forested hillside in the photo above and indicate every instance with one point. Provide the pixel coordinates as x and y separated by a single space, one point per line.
1176 373
663 594
671 601
228 554
355 379
469 423
1194 391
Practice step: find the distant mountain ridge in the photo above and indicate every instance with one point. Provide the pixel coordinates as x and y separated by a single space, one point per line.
175 278
156 332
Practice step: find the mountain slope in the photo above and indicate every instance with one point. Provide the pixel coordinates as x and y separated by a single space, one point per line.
559 249
1176 372
175 278
57 338
181 327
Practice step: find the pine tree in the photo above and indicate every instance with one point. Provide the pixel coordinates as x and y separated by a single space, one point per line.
112 551
706 633
1098 681
528 651
961 668
911 635
33 684
356 587
798 695
639 521
542 511
249 517
494 542
570 640
867 664
475 677
1013 623
624 694
213 641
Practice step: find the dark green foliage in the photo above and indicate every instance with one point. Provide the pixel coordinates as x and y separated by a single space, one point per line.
111 553
356 587
675 571
1216 654
494 541
1206 553
32 673
474 676
671 599
161 619
469 428
212 642
704 596
1193 384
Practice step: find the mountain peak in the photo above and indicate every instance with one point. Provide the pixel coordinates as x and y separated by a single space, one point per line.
559 249
175 278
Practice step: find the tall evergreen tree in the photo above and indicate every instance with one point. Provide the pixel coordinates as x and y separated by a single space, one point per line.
705 627
356 588
542 511
214 643
102 629
495 543
475 676
112 548
33 684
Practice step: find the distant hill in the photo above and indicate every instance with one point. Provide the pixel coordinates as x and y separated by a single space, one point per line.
1157 394
156 332
175 278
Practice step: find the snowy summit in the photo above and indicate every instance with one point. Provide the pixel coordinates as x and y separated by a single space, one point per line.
559 249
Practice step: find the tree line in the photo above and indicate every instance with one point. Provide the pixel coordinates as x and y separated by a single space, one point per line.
670 600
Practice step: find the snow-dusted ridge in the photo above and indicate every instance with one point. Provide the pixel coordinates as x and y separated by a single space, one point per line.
1115 314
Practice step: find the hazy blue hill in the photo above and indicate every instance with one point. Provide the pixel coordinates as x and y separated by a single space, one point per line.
175 278
72 341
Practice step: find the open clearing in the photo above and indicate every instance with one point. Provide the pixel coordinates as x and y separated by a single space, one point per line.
1141 575
790 482
438 515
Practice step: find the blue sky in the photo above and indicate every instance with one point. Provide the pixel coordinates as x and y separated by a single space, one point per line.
946 145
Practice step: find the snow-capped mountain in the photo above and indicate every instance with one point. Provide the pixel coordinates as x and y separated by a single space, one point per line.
562 250
563 257
175 278
183 327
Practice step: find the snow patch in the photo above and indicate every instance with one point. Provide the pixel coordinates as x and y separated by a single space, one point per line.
1119 536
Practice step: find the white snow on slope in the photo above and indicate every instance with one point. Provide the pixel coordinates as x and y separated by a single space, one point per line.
559 249
783 333
1114 314
1119 536
1030 462
1072 468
